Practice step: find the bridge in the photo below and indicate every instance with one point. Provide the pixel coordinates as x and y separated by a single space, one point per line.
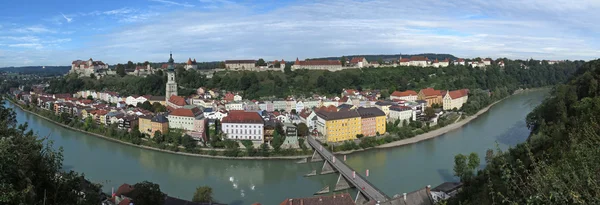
347 179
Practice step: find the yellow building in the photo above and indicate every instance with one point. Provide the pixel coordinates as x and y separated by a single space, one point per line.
339 126
159 123
145 125
431 96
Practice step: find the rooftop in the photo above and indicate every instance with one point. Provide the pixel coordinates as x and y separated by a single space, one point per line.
336 199
337 115
370 112
243 117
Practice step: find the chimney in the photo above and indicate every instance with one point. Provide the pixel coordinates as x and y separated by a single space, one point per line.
404 196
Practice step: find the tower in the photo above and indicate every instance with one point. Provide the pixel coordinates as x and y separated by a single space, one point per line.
171 84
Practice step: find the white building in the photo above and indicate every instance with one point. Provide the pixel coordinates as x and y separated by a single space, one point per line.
243 126
86 68
455 99
240 64
234 106
330 65
237 97
183 118
409 95
420 61
459 61
359 62
191 64
401 113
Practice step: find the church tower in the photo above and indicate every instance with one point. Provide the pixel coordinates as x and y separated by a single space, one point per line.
171 84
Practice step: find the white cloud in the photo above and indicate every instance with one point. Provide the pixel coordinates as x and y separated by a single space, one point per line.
26 45
227 30
33 29
66 18
185 4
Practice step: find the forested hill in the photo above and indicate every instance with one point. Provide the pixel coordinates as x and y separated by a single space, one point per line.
40 70
392 57
560 163
254 85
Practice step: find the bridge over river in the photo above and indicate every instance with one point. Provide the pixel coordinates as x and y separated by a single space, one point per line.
348 177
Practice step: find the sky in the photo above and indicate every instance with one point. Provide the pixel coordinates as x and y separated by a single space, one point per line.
56 32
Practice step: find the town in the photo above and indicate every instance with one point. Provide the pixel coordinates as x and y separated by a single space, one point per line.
332 119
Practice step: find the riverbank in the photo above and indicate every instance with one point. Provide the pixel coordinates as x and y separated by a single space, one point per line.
157 149
415 139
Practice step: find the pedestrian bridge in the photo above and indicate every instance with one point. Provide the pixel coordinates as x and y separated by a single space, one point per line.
347 179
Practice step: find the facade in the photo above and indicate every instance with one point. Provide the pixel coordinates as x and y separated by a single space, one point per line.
459 61
279 104
160 123
455 99
145 125
291 135
420 61
359 62
330 65
402 113
240 64
408 95
445 63
339 126
241 125
191 64
234 106
183 118
373 121
86 68
430 95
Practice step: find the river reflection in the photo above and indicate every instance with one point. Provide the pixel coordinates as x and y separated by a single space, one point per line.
393 170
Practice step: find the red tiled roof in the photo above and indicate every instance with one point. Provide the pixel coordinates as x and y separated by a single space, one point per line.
189 62
355 60
458 93
243 117
125 201
329 108
404 93
319 62
460 60
418 58
446 60
344 99
405 60
305 113
431 92
436 61
185 112
177 100
374 62
101 112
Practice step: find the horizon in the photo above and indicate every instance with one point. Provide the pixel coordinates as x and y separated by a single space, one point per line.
52 34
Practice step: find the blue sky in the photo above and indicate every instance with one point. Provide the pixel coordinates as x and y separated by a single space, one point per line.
56 32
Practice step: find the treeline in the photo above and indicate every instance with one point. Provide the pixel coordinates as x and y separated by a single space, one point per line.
304 82
38 70
559 163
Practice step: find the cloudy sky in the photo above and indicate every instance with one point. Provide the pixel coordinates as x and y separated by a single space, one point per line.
56 32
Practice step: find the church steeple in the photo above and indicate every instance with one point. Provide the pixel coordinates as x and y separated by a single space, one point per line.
171 61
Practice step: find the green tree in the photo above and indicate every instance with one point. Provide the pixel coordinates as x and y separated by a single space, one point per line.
343 60
157 107
461 169
261 62
189 143
121 70
92 76
147 193
277 141
429 113
249 147
158 137
264 150
474 161
302 129
146 106
203 194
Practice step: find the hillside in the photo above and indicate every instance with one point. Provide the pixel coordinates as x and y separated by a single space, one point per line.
391 57
560 162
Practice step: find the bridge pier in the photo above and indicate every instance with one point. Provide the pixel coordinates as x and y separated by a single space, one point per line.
327 168
313 173
325 190
316 157
302 161
361 198
342 184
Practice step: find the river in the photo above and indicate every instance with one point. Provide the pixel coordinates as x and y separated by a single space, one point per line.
393 170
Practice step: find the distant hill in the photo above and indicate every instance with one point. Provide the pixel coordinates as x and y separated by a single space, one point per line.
391 57
40 70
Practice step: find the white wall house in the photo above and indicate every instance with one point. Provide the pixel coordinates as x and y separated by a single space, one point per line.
183 118
243 126
401 113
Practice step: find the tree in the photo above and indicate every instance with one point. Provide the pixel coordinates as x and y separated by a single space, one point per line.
158 137
157 107
189 143
121 70
302 129
429 113
32 171
260 62
146 106
89 97
147 193
461 169
343 60
278 140
287 69
249 147
130 65
221 65
264 150
92 76
203 194
474 161
358 136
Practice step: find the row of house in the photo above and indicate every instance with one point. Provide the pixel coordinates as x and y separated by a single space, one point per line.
448 99
345 125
